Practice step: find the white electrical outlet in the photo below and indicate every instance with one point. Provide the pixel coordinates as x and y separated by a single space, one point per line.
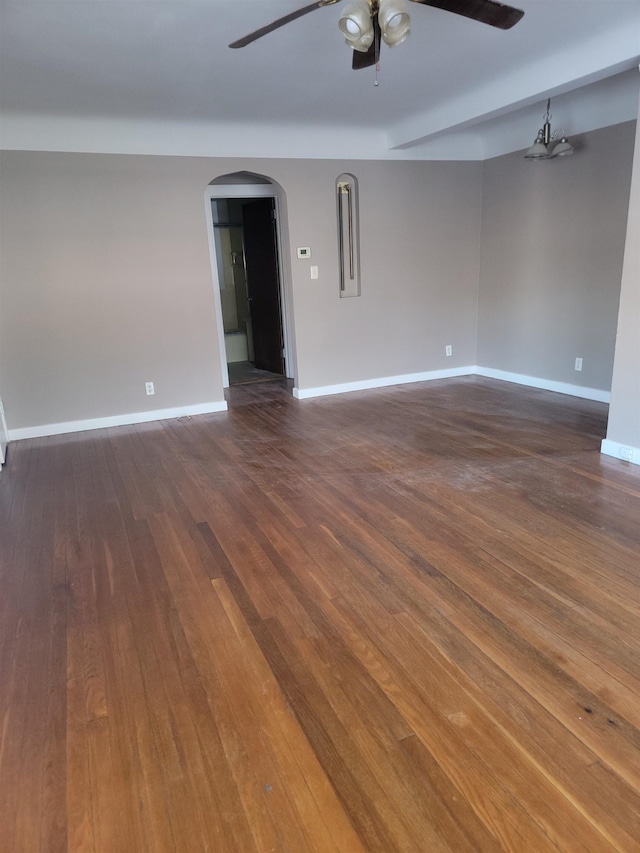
448 350
148 387
578 364
626 453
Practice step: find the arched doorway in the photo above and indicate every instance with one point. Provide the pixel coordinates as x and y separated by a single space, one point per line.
249 266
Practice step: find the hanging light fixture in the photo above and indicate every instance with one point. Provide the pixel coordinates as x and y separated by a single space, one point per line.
544 145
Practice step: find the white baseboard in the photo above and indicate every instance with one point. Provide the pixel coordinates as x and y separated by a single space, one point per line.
321 391
380 382
470 370
545 384
620 451
117 420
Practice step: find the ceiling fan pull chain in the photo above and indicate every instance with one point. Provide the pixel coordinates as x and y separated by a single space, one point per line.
376 82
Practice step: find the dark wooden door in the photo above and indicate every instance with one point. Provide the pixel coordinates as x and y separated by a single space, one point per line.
263 283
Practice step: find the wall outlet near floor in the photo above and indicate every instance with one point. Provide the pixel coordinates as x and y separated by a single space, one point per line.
448 350
148 387
578 364
626 453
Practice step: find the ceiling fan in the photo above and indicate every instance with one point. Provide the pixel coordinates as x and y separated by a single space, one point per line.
365 23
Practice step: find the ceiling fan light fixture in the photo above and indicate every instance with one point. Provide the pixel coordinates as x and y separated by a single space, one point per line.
394 20
356 25
364 23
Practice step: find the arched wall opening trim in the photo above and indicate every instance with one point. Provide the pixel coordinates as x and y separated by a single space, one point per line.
252 186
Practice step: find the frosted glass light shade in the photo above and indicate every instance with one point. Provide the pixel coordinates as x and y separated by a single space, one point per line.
538 150
357 26
562 148
394 21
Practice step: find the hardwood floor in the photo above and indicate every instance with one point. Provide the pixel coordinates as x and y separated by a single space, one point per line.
399 620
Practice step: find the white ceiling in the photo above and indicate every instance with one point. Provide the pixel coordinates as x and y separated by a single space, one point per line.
157 76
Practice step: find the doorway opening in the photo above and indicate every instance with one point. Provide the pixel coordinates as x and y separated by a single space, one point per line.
247 269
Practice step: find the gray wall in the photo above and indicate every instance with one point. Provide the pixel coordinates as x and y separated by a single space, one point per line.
105 285
624 412
106 278
553 236
419 236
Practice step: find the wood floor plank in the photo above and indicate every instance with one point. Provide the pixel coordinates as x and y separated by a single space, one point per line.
236 720
405 619
360 793
54 831
320 813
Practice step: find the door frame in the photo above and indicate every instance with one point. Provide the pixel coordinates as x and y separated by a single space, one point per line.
217 192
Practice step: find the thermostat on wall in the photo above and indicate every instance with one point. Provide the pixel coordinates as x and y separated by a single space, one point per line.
304 252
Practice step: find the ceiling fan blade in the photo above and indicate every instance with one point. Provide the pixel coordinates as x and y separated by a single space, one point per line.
372 56
286 19
485 11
